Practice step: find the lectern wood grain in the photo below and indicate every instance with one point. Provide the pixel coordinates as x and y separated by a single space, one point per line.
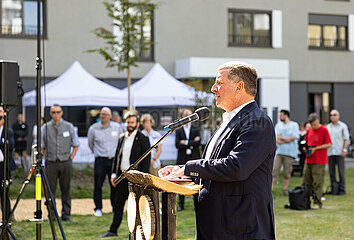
148 180
147 216
132 212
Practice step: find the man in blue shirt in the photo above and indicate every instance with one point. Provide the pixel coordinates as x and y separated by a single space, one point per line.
287 133
339 133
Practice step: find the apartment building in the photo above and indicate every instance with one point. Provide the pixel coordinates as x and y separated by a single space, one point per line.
302 49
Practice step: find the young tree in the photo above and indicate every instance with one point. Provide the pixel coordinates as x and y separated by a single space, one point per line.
124 46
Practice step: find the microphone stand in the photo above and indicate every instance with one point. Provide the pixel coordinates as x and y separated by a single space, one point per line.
134 165
37 168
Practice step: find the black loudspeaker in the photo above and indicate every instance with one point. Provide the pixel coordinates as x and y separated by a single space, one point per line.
9 79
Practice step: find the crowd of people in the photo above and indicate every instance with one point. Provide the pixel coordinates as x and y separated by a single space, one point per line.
316 146
234 162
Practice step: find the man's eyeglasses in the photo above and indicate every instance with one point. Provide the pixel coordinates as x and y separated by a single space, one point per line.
55 112
1 117
333 115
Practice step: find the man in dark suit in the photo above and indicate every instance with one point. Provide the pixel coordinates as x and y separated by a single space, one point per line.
236 168
131 146
10 163
187 143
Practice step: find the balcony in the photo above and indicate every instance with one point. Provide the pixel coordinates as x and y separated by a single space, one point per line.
18 31
319 43
249 40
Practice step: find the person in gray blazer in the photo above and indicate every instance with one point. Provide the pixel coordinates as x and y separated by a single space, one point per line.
58 137
235 201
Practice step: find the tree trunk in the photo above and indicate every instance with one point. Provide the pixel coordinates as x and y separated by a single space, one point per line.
129 83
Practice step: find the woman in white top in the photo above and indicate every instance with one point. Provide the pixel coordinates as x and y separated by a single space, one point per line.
147 121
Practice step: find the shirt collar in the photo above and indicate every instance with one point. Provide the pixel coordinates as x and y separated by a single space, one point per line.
227 116
61 120
109 124
132 135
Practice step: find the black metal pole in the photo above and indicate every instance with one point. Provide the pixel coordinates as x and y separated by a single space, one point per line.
5 172
38 213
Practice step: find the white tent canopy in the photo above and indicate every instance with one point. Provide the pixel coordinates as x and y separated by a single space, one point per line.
159 88
77 87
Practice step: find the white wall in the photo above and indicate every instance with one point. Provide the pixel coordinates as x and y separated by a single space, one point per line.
275 86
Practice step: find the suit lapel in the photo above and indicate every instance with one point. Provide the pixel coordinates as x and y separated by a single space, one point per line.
134 146
184 137
231 125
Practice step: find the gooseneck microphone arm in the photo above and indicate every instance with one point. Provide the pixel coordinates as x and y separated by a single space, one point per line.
134 165
201 114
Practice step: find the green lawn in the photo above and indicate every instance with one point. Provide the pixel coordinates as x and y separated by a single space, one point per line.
334 221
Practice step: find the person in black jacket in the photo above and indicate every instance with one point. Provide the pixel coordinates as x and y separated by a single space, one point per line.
20 133
187 143
236 200
131 146
10 161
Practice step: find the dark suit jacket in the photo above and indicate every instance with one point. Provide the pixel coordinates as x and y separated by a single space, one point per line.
140 145
12 166
182 157
236 199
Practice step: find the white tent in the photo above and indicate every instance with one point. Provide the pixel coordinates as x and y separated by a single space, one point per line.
77 87
159 88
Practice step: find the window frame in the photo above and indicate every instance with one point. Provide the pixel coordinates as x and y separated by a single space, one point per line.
322 40
151 58
23 35
252 12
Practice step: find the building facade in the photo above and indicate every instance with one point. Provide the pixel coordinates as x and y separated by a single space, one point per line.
302 49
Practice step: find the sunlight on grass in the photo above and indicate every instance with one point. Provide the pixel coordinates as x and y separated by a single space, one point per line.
334 221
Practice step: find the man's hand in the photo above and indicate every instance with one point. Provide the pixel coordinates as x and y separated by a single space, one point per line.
183 142
344 153
112 181
171 172
197 138
313 149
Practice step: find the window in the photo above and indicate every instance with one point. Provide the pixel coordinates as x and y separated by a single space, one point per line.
249 28
145 52
19 18
145 49
327 32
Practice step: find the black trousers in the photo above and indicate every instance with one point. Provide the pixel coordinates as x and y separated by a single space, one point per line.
102 168
62 171
339 161
120 193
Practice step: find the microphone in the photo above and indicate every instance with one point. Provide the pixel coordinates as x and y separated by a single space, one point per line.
200 114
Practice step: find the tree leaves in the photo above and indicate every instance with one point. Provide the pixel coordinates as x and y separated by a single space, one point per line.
129 19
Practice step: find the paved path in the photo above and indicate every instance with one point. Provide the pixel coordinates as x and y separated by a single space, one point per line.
27 207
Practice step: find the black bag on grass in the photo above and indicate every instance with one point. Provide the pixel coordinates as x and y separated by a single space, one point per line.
299 198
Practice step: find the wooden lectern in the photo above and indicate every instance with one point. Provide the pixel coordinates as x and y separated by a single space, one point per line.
143 205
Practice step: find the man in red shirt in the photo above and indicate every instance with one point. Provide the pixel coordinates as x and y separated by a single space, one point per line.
317 137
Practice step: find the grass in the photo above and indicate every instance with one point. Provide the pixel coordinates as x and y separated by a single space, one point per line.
334 221
81 184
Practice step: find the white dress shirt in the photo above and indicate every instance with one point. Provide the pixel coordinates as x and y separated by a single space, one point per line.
187 131
226 118
127 149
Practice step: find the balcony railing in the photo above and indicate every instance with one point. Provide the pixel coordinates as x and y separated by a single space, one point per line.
315 43
249 40
19 31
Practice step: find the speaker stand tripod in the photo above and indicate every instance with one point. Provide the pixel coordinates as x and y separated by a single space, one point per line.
41 180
